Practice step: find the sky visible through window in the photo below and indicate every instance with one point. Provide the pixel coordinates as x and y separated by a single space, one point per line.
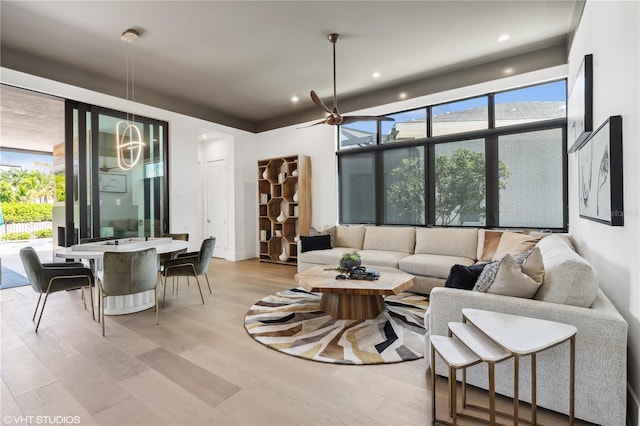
553 92
26 160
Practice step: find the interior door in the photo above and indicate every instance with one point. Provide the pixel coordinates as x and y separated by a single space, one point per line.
216 214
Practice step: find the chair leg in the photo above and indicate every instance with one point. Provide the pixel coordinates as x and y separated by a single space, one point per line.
157 310
42 311
208 285
164 292
101 296
198 281
36 311
93 311
200 289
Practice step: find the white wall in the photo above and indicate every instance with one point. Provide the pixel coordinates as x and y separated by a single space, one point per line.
609 31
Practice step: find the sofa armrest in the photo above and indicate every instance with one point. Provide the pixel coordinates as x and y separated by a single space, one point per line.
601 351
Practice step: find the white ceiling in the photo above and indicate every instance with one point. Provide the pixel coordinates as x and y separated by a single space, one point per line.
239 62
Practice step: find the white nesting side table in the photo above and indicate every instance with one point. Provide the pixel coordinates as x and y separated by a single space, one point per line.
524 336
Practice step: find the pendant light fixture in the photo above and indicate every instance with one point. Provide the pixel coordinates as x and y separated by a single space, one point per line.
129 143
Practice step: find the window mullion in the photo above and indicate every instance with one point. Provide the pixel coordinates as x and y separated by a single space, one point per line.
492 209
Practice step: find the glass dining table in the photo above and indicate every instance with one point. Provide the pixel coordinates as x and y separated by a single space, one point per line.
120 305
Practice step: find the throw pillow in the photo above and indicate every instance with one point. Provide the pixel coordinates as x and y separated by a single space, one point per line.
514 244
532 264
319 242
511 281
491 240
329 230
486 277
464 277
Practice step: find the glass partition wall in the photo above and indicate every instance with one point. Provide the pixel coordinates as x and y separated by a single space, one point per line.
111 199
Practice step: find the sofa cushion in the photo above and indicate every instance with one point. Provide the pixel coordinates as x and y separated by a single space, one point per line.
464 277
568 278
457 242
432 265
514 244
318 242
381 258
324 257
350 236
390 238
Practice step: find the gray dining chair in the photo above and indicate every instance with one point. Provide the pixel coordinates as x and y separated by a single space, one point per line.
128 272
191 264
165 257
47 278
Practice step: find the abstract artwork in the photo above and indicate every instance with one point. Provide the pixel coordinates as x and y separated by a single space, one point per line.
600 174
112 182
580 105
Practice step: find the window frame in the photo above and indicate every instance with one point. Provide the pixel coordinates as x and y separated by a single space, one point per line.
490 135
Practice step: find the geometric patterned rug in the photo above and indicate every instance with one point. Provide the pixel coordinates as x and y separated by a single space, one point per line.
291 322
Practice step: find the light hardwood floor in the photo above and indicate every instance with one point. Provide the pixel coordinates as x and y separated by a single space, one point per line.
198 367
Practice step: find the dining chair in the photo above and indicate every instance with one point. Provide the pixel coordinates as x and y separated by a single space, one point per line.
47 278
190 264
128 272
164 257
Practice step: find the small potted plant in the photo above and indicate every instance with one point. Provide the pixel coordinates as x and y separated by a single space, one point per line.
350 260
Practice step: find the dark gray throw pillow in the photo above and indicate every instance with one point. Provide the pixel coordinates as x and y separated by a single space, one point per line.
318 242
464 277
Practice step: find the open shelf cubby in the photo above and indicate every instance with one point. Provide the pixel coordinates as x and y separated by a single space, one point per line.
284 207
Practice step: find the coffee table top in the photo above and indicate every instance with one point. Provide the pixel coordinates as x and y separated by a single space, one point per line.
323 279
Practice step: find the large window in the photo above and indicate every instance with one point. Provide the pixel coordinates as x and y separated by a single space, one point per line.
460 186
404 201
497 160
358 196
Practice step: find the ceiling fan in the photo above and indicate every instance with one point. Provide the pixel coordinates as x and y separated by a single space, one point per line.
335 118
104 167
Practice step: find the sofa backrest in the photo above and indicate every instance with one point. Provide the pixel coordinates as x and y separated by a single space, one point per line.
350 236
462 242
390 238
568 278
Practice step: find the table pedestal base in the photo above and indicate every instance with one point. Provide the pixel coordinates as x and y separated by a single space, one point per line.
121 305
352 306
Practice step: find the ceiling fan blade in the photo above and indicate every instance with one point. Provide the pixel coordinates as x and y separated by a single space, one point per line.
354 118
316 100
314 124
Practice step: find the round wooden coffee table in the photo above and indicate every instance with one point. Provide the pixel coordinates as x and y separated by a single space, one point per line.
353 299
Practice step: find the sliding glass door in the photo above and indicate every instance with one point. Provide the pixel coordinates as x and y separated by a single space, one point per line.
117 191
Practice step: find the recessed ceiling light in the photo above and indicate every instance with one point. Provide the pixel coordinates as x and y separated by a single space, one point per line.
376 75
504 37
402 95
294 99
508 71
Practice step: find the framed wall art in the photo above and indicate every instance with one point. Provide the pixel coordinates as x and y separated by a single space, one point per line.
112 182
600 174
580 105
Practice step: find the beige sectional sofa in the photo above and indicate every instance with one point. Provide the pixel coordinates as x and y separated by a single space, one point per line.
569 294
427 253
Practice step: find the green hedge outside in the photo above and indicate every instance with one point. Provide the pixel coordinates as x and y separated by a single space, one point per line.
16 236
27 212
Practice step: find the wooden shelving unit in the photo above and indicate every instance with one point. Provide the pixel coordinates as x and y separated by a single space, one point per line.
284 207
